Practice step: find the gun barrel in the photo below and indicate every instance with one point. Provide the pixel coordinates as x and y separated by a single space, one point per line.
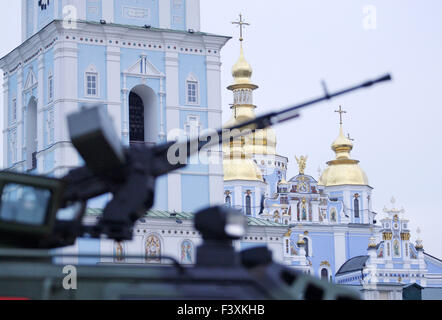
274 118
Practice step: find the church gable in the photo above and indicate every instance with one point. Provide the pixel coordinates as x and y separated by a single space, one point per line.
31 80
143 67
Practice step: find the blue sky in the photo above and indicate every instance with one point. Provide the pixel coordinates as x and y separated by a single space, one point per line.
293 45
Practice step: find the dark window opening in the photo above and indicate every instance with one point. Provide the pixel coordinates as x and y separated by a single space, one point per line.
324 274
136 119
356 207
248 205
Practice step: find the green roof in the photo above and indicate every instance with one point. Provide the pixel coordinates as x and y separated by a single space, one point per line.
131 26
159 214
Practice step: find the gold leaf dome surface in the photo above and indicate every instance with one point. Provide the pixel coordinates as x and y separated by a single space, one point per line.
241 169
242 71
343 170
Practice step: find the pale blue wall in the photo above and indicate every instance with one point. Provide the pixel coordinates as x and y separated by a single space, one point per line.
12 93
30 17
151 5
433 268
89 247
178 15
356 244
96 56
195 64
273 180
49 68
94 10
323 250
195 192
45 16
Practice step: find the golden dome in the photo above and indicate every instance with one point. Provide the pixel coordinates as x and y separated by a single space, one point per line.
260 141
343 170
241 169
242 71
238 165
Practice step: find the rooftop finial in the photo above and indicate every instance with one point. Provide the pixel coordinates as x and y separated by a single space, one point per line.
302 163
341 112
241 23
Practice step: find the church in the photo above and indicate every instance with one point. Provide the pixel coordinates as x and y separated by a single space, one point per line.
148 64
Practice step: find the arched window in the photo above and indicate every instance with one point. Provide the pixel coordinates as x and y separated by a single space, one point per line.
228 201
298 212
143 115
192 90
136 118
91 82
50 87
31 135
187 252
118 252
396 248
324 274
304 213
307 251
248 205
333 215
356 206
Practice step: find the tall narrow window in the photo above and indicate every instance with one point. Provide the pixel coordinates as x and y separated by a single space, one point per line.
50 88
136 119
51 127
324 274
356 206
307 251
91 84
248 205
228 201
14 110
192 90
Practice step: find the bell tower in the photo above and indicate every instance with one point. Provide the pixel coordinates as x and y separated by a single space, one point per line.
181 15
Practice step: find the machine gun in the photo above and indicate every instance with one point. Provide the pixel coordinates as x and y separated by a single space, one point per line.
44 213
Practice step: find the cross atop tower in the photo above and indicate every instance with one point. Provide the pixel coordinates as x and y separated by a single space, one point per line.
241 23
341 112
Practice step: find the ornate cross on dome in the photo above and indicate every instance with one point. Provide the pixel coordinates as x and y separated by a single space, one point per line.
341 112
241 23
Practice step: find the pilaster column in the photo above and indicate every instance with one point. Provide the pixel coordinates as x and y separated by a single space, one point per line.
315 209
340 247
108 10
216 174
164 10
5 120
173 122
113 67
21 107
66 98
24 13
40 105
193 18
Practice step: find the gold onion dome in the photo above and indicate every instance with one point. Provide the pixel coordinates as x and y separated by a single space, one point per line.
242 71
238 163
261 141
343 170
239 166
